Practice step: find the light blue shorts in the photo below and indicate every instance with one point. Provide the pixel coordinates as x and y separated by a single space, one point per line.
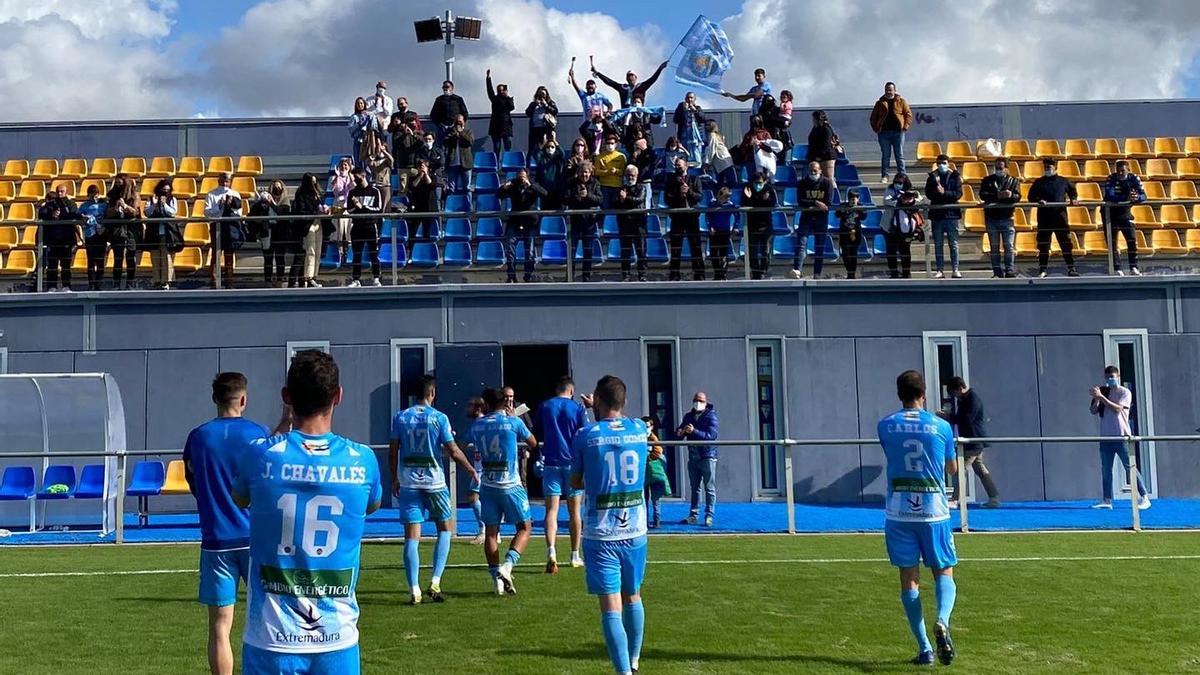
510 504
556 481
614 566
257 661
220 572
910 543
414 503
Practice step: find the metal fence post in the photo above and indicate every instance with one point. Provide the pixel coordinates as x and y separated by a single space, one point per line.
122 465
218 256
961 492
1112 240
570 252
928 237
39 258
1134 495
395 250
790 488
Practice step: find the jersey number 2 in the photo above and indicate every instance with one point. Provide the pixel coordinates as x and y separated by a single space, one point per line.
914 460
312 525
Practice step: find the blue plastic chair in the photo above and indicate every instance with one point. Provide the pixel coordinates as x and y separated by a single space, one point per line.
864 196
18 483
879 245
610 228
865 254
800 153
458 204
554 252
485 162
553 227
488 203
332 258
614 250
458 254
489 253
425 255
485 183
657 252
91 482
873 222
783 247
785 175
399 225
831 252
790 197
148 478
779 223
457 229
489 228
57 474
707 198
846 175
597 253
387 254
512 160
654 226
433 229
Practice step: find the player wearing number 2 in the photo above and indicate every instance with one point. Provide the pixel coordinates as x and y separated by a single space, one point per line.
309 492
609 464
920 453
419 435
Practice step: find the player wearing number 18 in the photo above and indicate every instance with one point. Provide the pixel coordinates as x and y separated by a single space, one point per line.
309 492
609 464
920 453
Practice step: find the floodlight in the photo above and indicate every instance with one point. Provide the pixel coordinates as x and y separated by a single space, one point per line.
429 30
467 28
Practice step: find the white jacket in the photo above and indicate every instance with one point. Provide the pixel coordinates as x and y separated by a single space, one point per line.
764 158
212 202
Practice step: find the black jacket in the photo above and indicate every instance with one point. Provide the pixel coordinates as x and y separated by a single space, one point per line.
58 235
759 222
436 158
967 415
522 199
536 113
628 93
820 144
446 107
590 200
989 193
1051 189
501 123
404 148
810 191
366 200
951 184
675 198
681 117
635 198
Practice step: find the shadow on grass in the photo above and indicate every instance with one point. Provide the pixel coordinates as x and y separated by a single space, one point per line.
652 654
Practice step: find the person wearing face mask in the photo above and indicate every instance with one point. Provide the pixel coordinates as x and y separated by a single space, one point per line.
460 158
901 224
593 131
631 89
406 139
944 186
1121 190
523 195
683 192
815 196
850 221
645 159
365 200
583 193
277 232
362 124
1111 402
890 118
999 192
446 108
701 424
632 226
380 105
966 414
722 220
822 145
759 194
551 172
610 167
689 123
424 187
542 112
500 124
1052 220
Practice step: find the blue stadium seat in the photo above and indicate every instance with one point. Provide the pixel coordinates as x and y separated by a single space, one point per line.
489 254
789 197
703 224
785 175
488 203
837 198
779 223
485 183
736 197
519 252
458 204
553 227
397 225
610 228
489 228
458 254
660 199
879 245
864 195
387 254
91 482
743 175
457 229
707 198
831 252
432 226
597 253
800 153
873 222
57 474
846 175
654 226
865 254
18 483
554 252
512 160
614 250
148 479
425 255
485 162
783 247
685 253
657 251
332 259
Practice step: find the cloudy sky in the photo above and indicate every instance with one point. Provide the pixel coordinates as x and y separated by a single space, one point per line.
136 59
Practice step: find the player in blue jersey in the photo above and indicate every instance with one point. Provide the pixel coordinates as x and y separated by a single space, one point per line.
309 492
419 436
496 436
610 466
920 453
476 408
210 459
556 422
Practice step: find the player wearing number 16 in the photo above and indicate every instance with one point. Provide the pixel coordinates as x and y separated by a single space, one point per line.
920 453
309 492
609 464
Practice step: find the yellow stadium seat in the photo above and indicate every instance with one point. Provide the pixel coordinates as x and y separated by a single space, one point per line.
1196 214
1191 145
1089 192
1014 170
1135 167
1143 217
190 167
79 260
985 245
75 169
974 171
1167 241
189 260
1079 149
968 195
98 182
70 184
244 185
1018 151
134 167
1183 189
1021 221
10 237
147 189
1192 240
8 191
1033 168
198 208
220 164
927 151
1025 244
176 480
1143 246
31 191
1079 218
960 151
1159 169
1188 168
1174 215
45 169
1056 250
184 188
1069 169
16 170
249 165
1048 148
103 167
207 185
20 263
196 234
1138 147
973 220
145 262
1025 187
1095 243
161 167
1154 190
21 212
1096 169
1168 147
1108 148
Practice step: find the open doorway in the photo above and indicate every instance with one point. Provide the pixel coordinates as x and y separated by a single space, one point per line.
532 371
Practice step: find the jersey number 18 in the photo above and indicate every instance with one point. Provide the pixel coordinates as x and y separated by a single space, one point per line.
628 467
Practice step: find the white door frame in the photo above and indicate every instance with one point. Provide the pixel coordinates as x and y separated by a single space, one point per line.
394 347
3 360
779 364
294 346
679 451
1140 337
957 339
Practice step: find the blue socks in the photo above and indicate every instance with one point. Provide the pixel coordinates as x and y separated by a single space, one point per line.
477 509
494 570
911 599
616 640
441 551
412 561
946 591
634 619
512 557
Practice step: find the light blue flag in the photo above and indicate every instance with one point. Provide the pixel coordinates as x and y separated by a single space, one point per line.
707 55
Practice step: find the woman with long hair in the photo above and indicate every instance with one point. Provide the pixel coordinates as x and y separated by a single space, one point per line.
163 234
361 125
717 159
125 228
822 144
308 232
542 112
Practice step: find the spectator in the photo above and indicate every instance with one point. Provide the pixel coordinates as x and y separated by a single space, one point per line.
966 413
759 193
716 160
514 409
542 112
580 153
850 220
446 109
404 114
689 123
340 185
163 234
594 129
901 224
362 123
583 192
523 195
637 121
1122 190
944 186
406 140
644 158
658 485
822 145
815 192
783 123
379 104
276 234
683 192
308 232
743 153
721 224
551 172
1112 401
365 201
423 191
558 419
760 148
701 424
632 89
121 221
754 94
460 158
672 150
500 124
632 226
589 98
999 192
890 118
225 202
433 155
59 238
379 167
1052 220
95 238
610 168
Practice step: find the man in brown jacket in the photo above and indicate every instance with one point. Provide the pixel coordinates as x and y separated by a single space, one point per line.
890 118
460 155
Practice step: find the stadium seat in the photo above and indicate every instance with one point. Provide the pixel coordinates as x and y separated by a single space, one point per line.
968 195
396 226
244 185
789 196
958 151
1183 189
1095 243
657 251
103 167
781 225
189 261
1144 248
21 213
974 171
488 203
79 260
512 160
1096 170
1025 245
1056 250
973 220
8 191
785 175
1080 218
1048 148
19 483
57 474
489 228
161 167
31 191
134 167
1033 168
484 182
44 169
249 165
74 169
1188 168
145 264
149 478
331 257
190 167
458 204
1174 215
1192 240
1078 149
783 247
1160 169
1108 148
831 250
223 164
1137 148
1069 169
552 227
1167 242
486 162
1143 217
1018 150
1089 192
1023 222
1154 190
91 482
1168 147
69 184
184 188
927 152
846 175
389 255
15 170
147 189
654 226
489 253
175 482
10 236
554 252
610 229
207 185
425 255
458 254
457 229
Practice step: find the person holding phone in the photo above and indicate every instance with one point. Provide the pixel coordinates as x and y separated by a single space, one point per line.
1111 403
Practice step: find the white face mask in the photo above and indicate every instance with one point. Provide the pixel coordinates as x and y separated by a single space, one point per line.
379 91
428 144
699 406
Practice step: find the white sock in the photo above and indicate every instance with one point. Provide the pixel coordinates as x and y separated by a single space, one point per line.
436 582
550 553
574 555
506 568
416 590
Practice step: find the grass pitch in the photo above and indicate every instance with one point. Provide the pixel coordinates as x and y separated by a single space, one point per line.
1071 602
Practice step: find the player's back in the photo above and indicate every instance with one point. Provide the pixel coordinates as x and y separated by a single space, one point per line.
558 420
496 436
212 453
421 431
309 497
611 456
917 444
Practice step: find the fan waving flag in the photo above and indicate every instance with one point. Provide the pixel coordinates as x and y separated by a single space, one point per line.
707 55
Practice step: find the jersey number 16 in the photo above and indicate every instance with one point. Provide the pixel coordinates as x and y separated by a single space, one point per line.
311 526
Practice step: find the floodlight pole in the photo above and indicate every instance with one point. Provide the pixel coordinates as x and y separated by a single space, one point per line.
448 53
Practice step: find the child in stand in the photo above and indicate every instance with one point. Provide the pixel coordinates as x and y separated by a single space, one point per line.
785 125
721 224
657 483
850 232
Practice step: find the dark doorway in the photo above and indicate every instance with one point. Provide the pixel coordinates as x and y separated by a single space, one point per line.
532 371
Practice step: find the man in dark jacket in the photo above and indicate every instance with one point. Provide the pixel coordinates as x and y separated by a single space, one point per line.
944 186
815 191
445 108
683 192
406 141
999 192
1052 220
364 199
460 157
632 226
701 424
631 89
759 193
966 413
1122 190
59 240
500 125
523 195
582 193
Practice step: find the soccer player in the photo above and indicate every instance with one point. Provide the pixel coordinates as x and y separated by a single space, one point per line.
476 408
501 494
920 453
309 492
556 422
210 458
419 434
610 466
